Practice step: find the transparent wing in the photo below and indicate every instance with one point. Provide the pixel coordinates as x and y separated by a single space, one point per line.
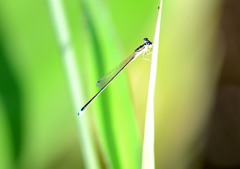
111 75
106 80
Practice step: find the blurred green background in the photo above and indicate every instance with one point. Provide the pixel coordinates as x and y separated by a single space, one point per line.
39 126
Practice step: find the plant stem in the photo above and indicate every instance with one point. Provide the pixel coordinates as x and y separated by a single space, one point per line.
85 138
148 161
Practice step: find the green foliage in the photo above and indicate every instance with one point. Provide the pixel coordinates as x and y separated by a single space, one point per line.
38 124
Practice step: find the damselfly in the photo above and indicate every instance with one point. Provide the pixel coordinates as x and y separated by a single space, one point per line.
106 80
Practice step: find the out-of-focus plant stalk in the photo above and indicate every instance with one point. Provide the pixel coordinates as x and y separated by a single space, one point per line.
148 161
85 138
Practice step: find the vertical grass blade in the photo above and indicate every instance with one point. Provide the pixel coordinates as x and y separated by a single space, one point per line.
148 161
85 138
119 144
